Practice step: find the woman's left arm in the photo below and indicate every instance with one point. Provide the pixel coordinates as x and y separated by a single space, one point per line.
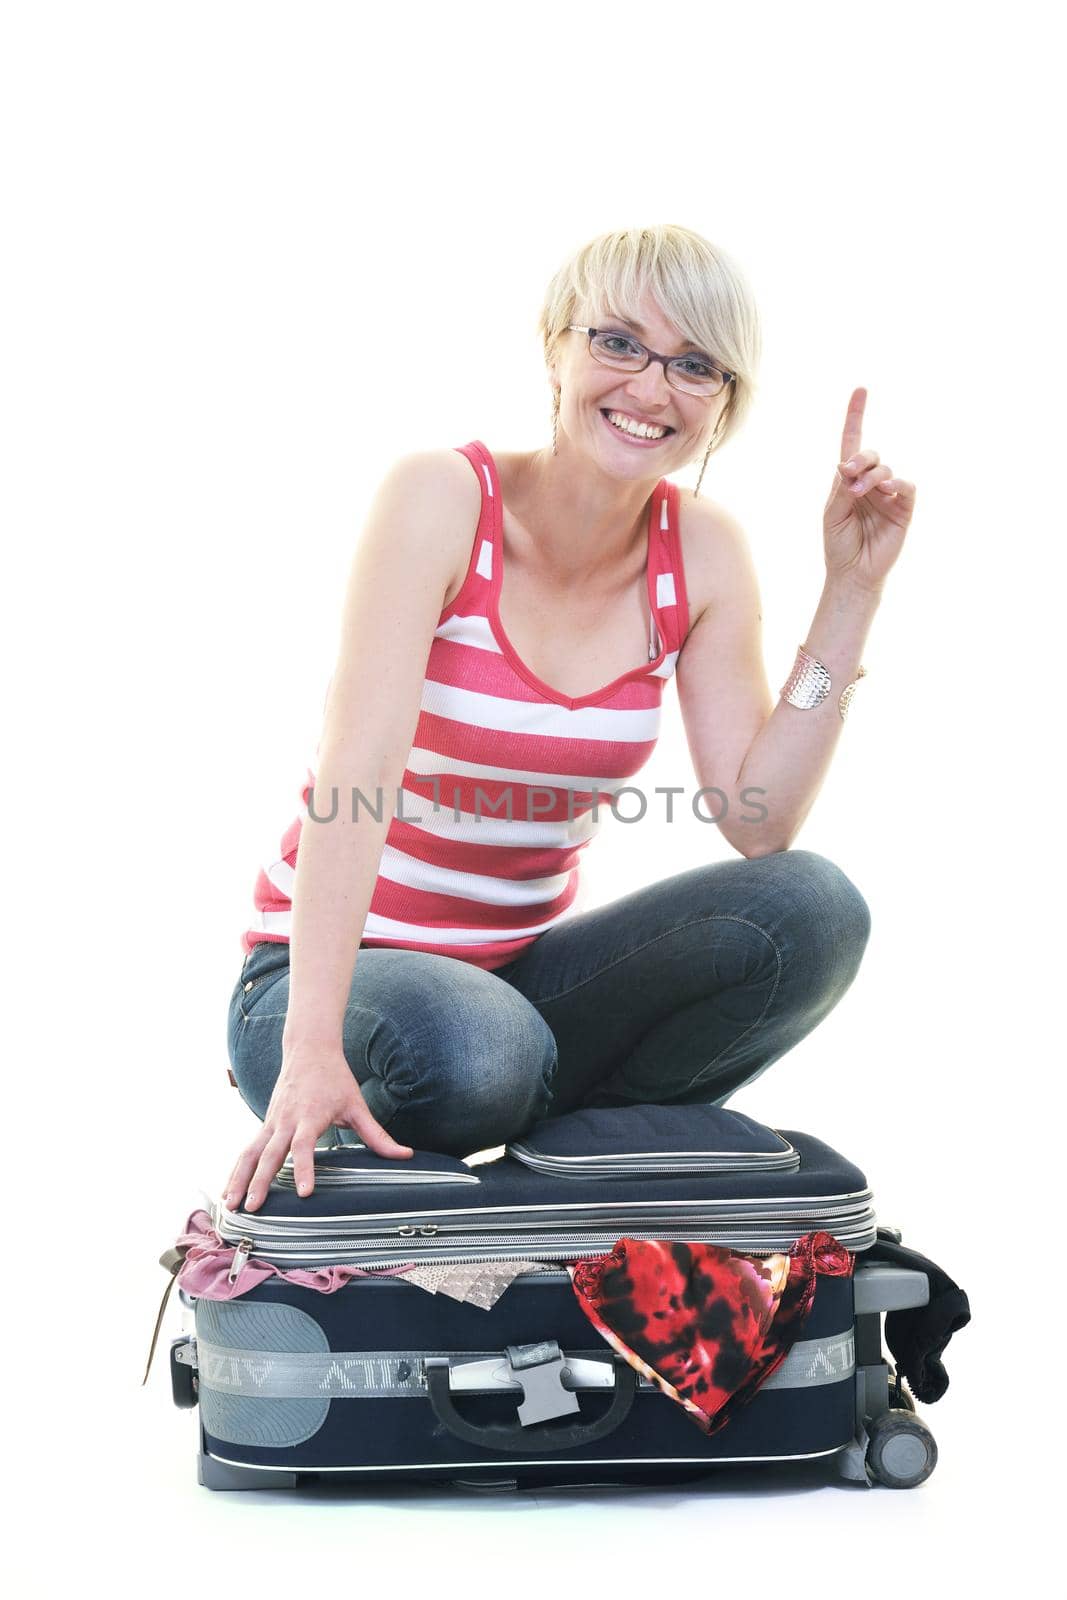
783 765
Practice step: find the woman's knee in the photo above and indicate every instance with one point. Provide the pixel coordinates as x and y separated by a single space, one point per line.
475 1080
834 900
825 921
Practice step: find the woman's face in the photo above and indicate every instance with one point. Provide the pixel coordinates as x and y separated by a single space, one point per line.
589 390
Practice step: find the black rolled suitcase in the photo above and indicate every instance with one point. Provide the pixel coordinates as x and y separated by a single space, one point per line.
381 1380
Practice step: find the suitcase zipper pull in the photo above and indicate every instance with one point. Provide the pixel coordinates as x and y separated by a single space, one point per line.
240 1256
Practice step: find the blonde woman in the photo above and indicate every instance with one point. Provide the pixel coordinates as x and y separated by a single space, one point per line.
417 975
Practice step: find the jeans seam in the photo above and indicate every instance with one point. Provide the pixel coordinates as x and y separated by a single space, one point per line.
262 1016
758 1020
680 927
695 922
383 1122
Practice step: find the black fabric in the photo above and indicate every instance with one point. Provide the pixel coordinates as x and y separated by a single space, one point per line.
918 1337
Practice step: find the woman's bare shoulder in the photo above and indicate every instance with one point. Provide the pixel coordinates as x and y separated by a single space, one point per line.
446 469
712 541
441 490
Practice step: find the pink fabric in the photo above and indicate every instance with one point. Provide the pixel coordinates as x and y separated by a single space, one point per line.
208 1260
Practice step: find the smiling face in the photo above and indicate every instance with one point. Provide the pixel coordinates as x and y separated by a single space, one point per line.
591 393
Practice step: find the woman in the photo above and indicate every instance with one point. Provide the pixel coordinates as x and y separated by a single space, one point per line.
422 975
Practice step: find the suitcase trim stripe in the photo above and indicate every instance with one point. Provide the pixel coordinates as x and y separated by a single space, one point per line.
381 1374
535 1461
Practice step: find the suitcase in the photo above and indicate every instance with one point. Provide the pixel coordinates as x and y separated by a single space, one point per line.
381 1381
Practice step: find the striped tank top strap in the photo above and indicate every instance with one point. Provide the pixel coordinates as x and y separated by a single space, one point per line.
474 593
672 600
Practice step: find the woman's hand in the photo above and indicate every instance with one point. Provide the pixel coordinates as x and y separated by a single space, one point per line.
315 1089
868 512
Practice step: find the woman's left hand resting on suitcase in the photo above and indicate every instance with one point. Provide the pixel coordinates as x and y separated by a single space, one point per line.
314 1091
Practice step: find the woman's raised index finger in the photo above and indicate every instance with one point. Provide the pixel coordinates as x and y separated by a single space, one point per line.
852 433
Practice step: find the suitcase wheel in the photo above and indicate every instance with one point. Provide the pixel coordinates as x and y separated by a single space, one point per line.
901 1451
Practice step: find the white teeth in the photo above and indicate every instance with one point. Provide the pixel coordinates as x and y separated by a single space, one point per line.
641 430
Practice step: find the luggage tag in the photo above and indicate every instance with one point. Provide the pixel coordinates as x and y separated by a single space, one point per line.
173 1259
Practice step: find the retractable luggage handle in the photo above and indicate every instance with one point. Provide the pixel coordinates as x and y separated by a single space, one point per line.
520 1437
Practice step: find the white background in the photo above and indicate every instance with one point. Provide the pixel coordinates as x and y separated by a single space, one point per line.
255 252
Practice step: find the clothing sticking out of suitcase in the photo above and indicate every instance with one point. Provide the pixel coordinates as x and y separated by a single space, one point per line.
625 1295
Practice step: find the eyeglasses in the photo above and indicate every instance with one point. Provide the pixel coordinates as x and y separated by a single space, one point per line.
693 374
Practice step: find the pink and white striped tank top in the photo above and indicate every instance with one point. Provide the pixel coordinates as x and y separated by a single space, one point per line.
497 800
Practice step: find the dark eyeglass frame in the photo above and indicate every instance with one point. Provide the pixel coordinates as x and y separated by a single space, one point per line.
650 355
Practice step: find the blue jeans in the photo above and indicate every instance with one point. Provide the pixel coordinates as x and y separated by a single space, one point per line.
677 993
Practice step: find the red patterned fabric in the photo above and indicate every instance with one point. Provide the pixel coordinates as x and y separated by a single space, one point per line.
707 1325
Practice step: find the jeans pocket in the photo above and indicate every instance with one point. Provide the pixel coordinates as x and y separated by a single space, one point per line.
262 965
250 991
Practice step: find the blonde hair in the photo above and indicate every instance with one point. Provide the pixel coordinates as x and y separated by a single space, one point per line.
697 286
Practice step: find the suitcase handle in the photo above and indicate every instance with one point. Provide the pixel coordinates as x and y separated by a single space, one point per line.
513 1435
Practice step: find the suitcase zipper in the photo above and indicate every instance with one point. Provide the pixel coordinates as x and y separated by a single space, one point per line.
474 1241
585 1247
620 1221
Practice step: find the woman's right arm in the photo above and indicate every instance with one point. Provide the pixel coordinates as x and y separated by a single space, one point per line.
416 539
